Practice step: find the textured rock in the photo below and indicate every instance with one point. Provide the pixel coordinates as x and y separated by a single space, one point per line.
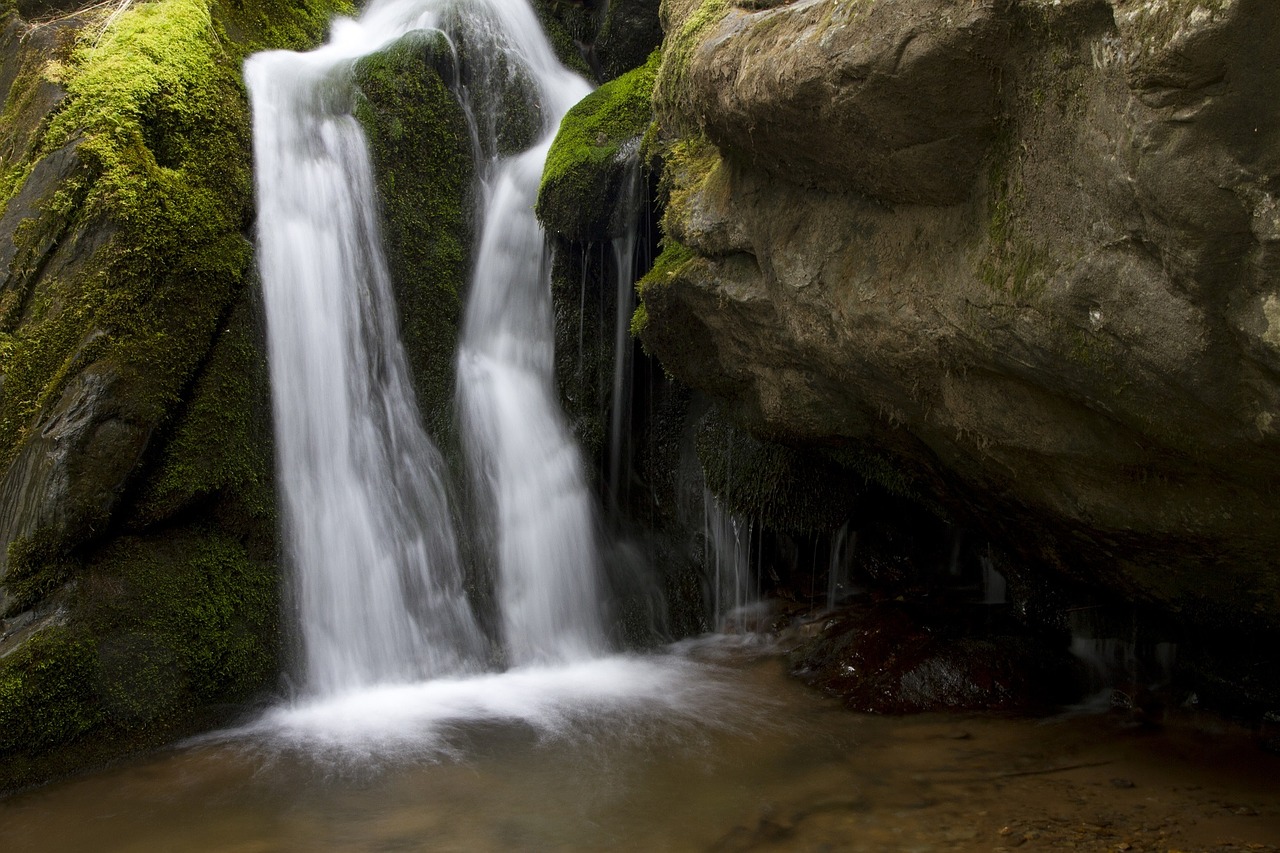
138 583
895 658
896 100
1069 333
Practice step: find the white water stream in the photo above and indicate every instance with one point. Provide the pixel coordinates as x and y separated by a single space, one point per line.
368 528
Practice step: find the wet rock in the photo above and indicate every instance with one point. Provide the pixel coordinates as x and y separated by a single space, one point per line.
907 657
1063 326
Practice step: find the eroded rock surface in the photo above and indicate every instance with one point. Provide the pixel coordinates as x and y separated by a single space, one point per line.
1030 248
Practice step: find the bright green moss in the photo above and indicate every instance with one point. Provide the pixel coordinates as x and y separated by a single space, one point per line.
584 169
686 29
163 138
666 267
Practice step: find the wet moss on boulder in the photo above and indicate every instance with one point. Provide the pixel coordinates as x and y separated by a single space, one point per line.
138 586
590 159
422 158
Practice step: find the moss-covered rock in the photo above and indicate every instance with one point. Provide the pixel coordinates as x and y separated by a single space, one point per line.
588 166
784 488
422 160
137 512
629 33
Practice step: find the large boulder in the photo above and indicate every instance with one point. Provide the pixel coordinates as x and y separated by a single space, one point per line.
1028 248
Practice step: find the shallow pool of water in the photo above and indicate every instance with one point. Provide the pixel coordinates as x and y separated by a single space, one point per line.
708 748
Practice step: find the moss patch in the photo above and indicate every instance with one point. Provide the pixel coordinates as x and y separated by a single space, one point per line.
584 171
665 269
47 691
190 619
221 445
418 139
785 488
688 23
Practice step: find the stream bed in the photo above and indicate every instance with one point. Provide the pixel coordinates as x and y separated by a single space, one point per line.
710 747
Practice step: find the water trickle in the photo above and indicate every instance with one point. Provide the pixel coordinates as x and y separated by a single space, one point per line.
728 541
624 252
993 583
367 523
839 566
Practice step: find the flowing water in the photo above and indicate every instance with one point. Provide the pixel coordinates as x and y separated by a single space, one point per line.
368 525
737 758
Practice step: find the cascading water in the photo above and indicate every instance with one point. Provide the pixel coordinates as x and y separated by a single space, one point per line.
524 462
379 583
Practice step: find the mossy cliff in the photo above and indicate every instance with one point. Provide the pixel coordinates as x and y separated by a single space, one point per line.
137 512
1025 251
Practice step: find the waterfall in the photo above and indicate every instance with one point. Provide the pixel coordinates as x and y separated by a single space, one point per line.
525 465
368 531
728 541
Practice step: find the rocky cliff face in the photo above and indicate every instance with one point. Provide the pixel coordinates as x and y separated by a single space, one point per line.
1029 249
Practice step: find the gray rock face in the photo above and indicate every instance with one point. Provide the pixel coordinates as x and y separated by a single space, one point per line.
896 100
1030 247
67 477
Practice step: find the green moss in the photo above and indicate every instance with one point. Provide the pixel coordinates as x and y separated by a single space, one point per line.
671 100
47 691
785 488
38 565
688 163
420 146
666 267
221 445
584 170
191 620
253 25
21 124
163 138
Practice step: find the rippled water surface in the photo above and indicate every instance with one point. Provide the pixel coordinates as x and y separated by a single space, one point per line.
709 748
